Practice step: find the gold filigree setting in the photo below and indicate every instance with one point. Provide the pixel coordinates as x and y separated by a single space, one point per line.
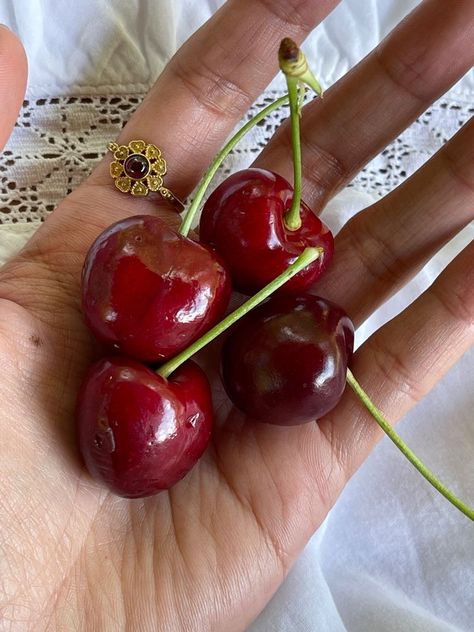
137 168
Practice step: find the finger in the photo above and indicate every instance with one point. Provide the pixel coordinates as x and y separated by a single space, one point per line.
380 249
213 79
426 54
13 74
402 361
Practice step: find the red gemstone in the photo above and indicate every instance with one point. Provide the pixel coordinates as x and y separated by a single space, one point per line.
136 166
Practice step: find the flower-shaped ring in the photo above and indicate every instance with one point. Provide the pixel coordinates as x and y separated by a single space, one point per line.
139 168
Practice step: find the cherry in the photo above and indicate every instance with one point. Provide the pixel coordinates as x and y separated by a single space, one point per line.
244 220
256 220
285 362
139 432
149 292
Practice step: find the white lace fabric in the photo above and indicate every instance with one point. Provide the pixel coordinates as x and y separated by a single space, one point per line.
54 146
57 142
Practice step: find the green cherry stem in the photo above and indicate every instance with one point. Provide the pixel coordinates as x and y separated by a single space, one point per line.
294 66
306 257
219 159
292 218
402 446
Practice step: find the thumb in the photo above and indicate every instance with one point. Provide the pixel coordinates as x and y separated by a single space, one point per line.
13 75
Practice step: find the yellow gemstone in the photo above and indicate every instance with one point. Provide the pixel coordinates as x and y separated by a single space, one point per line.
139 189
137 146
158 167
115 169
154 182
152 152
121 153
123 184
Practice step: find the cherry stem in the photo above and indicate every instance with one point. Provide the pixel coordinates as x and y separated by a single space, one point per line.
292 218
293 63
402 446
219 159
306 257
294 66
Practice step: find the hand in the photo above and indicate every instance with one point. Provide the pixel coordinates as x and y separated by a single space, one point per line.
209 554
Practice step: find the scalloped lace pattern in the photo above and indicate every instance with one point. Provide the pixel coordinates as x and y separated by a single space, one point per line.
57 142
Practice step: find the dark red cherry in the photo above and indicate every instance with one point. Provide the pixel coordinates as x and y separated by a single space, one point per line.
243 221
138 432
149 292
285 362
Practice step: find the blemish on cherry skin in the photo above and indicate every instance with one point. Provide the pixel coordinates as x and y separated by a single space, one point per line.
105 440
98 442
192 421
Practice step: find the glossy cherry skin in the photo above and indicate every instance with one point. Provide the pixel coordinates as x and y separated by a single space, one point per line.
243 220
149 292
285 362
138 432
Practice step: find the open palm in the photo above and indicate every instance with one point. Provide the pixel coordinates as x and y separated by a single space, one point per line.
208 554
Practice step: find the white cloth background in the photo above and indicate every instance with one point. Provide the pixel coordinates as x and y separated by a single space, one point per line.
392 555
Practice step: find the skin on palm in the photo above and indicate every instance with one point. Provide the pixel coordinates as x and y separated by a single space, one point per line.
213 550
85 532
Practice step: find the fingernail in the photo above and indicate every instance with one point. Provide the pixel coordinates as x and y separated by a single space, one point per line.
4 26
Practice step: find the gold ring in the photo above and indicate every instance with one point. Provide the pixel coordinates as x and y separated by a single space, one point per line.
139 168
